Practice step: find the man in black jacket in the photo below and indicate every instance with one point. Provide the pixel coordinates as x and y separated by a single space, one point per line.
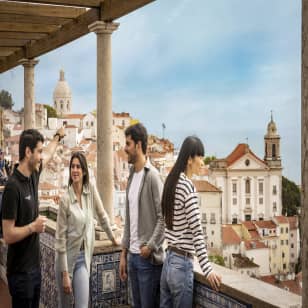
21 220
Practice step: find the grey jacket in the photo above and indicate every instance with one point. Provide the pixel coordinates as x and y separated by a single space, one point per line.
150 220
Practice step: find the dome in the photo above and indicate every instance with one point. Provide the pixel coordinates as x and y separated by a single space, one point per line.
62 89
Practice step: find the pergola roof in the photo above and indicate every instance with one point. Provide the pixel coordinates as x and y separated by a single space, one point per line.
29 29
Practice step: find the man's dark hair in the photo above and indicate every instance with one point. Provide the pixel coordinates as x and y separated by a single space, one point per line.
138 133
29 138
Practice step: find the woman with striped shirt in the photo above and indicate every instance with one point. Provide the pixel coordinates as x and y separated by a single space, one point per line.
183 230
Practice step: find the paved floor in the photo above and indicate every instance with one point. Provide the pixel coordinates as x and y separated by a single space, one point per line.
5 299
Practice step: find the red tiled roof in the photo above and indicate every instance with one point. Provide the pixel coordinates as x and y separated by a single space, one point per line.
282 219
292 285
205 186
254 235
249 244
240 150
121 114
92 147
229 236
265 224
293 221
249 225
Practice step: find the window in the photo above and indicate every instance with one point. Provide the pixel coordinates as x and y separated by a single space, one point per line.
281 242
281 230
247 186
123 123
92 123
274 207
234 201
287 229
247 217
123 165
234 221
292 245
260 188
274 189
283 255
247 201
87 124
291 234
213 220
284 266
212 232
260 200
112 122
287 242
273 150
292 255
212 245
204 218
234 187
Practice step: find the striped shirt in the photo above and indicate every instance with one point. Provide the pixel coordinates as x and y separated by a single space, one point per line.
187 233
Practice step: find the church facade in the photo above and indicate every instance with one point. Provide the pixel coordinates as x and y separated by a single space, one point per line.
251 186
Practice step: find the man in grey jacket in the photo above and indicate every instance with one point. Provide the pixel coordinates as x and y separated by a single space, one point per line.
142 253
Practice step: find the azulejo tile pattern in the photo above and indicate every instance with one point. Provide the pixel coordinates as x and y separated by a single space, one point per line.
106 288
204 297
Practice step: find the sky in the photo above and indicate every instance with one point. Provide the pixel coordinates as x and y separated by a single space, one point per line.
214 69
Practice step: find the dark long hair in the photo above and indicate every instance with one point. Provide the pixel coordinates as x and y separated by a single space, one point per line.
84 166
191 147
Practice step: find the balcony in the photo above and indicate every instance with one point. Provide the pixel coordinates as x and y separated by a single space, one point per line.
237 290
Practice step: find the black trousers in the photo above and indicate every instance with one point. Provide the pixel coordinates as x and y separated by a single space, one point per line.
25 289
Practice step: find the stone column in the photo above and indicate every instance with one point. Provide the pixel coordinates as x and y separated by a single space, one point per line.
29 100
105 183
304 150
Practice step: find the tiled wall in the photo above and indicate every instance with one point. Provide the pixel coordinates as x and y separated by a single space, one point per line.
106 289
204 297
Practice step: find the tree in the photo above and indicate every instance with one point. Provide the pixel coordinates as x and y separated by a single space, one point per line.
6 100
217 259
208 159
51 112
291 197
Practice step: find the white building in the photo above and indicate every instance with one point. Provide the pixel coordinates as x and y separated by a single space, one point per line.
251 187
210 209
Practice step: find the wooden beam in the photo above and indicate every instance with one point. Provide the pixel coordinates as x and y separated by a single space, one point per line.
66 34
113 9
22 35
44 20
10 61
12 42
18 27
80 3
6 51
10 7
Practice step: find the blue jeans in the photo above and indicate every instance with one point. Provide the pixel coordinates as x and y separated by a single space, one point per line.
176 284
25 289
80 285
144 277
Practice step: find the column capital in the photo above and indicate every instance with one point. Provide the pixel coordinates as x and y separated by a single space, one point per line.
103 27
29 62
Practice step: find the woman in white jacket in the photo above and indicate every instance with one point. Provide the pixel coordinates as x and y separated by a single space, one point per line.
75 234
